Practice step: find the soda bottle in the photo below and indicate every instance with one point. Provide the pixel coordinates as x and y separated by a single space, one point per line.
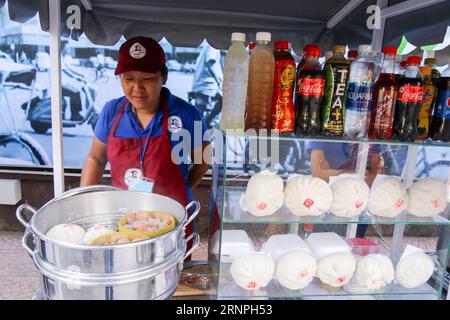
235 80
352 55
440 124
409 100
384 98
260 84
309 93
304 56
336 71
283 114
435 74
429 98
359 93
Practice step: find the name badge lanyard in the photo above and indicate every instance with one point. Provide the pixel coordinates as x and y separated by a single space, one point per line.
142 151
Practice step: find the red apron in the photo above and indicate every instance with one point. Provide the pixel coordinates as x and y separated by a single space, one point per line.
124 153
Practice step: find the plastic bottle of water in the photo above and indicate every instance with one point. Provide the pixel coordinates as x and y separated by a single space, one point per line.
235 81
260 84
363 72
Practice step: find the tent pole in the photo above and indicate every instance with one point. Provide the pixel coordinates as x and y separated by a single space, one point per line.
56 96
378 34
343 13
407 6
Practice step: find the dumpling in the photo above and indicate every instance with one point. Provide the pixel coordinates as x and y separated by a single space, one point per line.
336 269
427 197
95 232
350 197
374 271
307 196
414 270
264 194
252 271
388 198
67 233
296 270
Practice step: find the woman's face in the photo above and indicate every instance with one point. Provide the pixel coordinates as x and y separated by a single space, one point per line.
142 89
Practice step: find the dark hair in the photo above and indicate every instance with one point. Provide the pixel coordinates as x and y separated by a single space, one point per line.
164 71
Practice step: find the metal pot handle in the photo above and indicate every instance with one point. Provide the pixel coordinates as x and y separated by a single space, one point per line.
25 242
194 245
21 218
197 210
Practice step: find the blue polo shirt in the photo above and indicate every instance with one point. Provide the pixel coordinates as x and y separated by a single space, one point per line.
128 126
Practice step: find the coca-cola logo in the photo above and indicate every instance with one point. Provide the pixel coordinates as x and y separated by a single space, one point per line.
311 87
410 93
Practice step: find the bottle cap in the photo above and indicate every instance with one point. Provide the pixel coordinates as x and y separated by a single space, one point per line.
430 61
251 45
413 60
404 64
339 49
364 49
352 54
390 50
312 50
263 36
282 45
237 36
425 70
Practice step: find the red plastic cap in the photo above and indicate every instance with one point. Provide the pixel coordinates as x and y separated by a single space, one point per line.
390 50
282 45
251 45
413 60
352 54
311 50
403 64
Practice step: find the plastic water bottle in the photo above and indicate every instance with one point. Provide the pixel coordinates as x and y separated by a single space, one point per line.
235 81
363 71
260 84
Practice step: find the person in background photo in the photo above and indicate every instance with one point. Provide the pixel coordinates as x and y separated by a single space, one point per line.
207 83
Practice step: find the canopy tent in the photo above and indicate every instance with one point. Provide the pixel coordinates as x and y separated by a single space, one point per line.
188 22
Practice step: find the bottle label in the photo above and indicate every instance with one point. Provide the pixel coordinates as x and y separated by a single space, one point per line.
442 109
283 115
359 98
410 93
311 87
384 108
334 99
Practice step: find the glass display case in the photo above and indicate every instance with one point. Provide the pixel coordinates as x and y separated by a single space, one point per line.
237 157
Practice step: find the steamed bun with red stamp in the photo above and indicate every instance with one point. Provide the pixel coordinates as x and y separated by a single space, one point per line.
336 269
252 271
296 270
427 197
374 271
350 197
307 196
95 232
388 198
414 270
66 232
264 194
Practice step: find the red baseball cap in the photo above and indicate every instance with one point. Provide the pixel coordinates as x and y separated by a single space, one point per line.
140 54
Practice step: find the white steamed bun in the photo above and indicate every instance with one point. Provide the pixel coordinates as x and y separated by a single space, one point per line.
296 270
336 269
252 271
264 194
414 270
307 196
350 197
374 271
67 233
427 197
389 198
95 232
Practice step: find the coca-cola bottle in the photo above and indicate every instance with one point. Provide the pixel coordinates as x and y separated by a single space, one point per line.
440 124
409 100
336 71
309 94
283 114
303 61
384 98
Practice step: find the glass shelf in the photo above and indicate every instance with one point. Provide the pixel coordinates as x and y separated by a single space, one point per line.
232 213
287 137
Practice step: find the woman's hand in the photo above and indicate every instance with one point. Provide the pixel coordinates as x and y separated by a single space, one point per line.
95 164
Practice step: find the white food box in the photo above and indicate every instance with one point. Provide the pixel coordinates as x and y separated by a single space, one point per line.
322 244
235 243
279 245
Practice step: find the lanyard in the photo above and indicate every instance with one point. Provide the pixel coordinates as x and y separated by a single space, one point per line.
142 152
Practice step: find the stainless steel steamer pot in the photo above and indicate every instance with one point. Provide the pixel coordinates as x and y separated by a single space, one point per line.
87 206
